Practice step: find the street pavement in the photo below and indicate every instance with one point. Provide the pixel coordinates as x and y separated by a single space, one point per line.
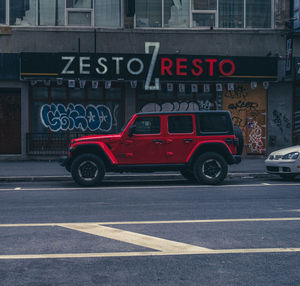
50 170
243 232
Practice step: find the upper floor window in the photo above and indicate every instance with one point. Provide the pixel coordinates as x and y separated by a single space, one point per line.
87 13
204 13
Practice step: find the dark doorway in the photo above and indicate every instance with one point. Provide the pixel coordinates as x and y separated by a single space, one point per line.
10 121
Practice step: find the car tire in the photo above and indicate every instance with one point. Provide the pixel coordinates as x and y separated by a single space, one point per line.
287 177
88 170
239 135
188 174
210 168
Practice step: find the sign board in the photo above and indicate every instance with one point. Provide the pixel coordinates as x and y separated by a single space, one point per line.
142 67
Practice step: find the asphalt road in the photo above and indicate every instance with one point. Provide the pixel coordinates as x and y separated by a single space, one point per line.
244 232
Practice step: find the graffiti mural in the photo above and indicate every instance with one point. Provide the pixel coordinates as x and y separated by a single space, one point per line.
58 117
248 109
179 106
255 143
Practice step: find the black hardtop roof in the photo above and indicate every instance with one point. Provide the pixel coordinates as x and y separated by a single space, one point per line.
182 112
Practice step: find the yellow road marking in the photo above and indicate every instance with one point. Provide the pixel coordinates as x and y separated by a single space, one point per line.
148 253
160 244
157 222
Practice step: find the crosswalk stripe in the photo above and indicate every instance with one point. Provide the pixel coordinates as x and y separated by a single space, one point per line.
152 242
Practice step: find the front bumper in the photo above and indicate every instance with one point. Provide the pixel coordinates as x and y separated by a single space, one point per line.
282 166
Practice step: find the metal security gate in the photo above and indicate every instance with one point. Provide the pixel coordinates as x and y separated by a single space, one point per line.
10 121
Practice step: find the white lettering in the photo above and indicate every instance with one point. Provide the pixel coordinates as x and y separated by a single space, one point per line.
100 62
117 59
70 60
156 46
83 65
139 71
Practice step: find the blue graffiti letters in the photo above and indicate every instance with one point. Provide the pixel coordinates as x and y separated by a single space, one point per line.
58 117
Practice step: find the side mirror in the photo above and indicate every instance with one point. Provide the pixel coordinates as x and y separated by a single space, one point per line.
131 130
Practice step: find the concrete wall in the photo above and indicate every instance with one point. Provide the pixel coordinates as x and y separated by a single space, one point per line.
280 112
204 42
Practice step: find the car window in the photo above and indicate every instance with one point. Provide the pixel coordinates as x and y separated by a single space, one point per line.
147 125
180 124
215 123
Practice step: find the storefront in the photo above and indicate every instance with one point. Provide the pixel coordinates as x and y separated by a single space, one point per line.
69 94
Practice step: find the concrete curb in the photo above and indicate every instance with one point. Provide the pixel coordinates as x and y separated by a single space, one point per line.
130 177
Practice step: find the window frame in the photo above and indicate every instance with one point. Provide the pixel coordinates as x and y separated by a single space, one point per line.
216 12
66 17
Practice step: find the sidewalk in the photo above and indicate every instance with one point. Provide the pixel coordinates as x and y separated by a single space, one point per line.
51 170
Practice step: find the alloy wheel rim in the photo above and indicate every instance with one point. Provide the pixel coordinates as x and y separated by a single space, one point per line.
211 168
88 170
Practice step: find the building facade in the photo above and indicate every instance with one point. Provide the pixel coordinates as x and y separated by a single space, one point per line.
74 67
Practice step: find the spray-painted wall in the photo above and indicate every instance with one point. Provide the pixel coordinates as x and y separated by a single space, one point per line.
248 109
280 111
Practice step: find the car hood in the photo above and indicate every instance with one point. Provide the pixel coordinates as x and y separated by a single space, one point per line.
287 150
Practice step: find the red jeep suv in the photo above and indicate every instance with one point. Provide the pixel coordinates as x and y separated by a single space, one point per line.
198 144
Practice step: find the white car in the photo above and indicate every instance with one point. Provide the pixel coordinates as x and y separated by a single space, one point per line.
284 162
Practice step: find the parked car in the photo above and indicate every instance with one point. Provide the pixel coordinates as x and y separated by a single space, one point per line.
284 162
198 144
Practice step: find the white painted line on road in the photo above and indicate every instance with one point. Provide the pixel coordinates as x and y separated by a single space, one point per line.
148 253
156 243
156 222
104 188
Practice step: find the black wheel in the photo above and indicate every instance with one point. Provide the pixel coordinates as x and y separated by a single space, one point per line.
210 168
88 170
188 174
239 135
288 177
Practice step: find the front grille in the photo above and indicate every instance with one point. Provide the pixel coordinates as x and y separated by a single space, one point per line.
272 169
286 169
277 157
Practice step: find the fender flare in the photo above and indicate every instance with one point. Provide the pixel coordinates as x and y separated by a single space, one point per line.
209 146
95 147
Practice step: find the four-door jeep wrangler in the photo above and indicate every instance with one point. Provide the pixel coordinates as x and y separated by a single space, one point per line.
198 144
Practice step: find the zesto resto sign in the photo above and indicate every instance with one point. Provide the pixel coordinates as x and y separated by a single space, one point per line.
150 67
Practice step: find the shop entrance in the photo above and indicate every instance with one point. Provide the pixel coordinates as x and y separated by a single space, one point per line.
10 121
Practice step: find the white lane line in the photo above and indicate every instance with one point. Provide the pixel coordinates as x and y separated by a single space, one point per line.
104 188
148 241
156 222
148 253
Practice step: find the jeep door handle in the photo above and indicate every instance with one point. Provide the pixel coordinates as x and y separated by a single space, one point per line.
157 141
187 140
